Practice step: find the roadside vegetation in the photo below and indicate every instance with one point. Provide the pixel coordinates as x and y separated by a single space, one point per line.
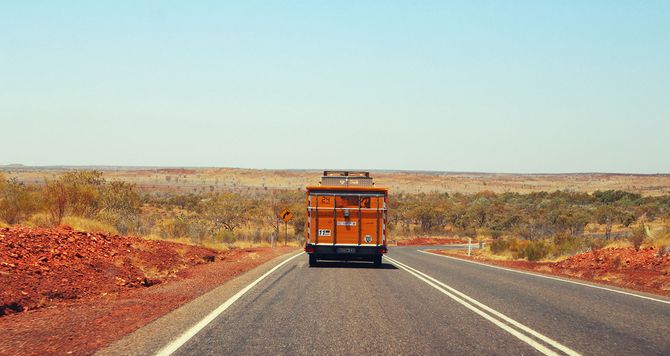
532 226
535 226
86 201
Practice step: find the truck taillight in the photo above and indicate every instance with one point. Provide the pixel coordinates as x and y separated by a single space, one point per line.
385 249
309 249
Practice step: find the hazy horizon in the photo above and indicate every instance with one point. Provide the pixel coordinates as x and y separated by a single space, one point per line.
148 167
493 87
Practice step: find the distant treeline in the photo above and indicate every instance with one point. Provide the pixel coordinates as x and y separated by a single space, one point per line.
232 216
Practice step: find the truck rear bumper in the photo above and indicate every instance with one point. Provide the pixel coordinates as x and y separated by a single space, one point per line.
345 252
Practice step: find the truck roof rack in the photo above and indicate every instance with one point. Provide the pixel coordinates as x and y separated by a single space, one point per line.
346 174
346 178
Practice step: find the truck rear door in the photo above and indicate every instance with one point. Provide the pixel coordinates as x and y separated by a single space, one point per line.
346 218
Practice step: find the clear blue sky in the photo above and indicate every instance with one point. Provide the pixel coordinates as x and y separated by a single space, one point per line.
497 86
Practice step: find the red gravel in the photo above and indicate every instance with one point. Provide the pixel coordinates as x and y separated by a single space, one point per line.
645 270
71 291
41 266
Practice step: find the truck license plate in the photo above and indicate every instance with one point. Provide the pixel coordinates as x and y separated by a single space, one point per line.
345 250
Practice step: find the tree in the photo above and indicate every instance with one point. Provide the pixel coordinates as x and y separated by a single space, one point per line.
608 214
399 211
57 199
299 220
269 210
83 190
75 193
568 219
478 214
227 210
429 211
16 201
119 203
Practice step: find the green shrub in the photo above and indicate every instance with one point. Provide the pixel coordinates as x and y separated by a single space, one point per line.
226 236
534 250
119 203
496 234
638 235
596 243
40 220
184 226
17 201
499 246
566 244
123 223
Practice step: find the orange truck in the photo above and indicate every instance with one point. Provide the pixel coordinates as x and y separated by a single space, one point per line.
346 218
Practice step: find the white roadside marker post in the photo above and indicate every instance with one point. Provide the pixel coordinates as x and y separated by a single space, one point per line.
469 244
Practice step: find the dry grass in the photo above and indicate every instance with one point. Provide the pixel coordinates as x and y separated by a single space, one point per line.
187 241
503 256
39 220
659 237
554 259
661 242
223 246
619 243
90 225
44 220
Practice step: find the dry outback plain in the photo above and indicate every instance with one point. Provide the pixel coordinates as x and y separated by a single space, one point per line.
218 179
132 244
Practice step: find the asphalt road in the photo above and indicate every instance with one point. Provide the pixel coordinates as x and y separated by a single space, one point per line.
419 303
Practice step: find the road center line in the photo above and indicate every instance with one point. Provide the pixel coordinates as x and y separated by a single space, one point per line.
466 301
188 334
548 277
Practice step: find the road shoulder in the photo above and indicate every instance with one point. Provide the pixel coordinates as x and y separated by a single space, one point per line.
152 337
541 271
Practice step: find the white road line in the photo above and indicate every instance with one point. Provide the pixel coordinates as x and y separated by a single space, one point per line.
188 334
549 277
461 298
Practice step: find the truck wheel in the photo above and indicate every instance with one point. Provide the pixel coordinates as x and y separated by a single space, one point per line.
312 260
378 260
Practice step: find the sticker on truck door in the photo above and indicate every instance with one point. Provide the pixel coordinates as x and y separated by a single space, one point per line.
346 223
324 232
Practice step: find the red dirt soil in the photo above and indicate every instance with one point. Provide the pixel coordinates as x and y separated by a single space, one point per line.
72 291
645 270
431 241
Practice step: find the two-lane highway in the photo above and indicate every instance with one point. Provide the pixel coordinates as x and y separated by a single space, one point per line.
420 303
587 319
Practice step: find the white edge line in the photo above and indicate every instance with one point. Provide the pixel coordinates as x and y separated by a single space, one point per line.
528 330
539 347
192 331
547 277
